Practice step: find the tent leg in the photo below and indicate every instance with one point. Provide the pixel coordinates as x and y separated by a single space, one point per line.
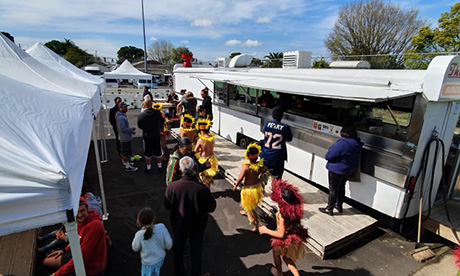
71 229
99 174
104 158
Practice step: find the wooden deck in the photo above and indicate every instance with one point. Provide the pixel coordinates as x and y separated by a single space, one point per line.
327 234
17 253
438 223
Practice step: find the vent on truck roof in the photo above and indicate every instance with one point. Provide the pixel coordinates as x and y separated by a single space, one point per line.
296 59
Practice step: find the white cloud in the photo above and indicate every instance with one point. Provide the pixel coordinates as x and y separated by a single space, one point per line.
232 42
252 43
201 23
152 38
264 19
184 42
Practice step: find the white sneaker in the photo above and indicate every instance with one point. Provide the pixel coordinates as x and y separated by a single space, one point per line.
130 169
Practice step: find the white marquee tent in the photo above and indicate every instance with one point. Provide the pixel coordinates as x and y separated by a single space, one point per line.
127 71
46 56
46 131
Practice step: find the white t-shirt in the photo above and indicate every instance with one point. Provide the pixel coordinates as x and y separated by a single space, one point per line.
154 249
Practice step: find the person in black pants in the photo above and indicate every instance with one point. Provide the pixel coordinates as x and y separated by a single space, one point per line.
342 161
207 103
189 202
113 121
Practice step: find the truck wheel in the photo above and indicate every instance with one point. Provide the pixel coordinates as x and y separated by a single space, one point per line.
244 142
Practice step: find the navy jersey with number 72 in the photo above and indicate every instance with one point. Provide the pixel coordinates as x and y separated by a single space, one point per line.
274 148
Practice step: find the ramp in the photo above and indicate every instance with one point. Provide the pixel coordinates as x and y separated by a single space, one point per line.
327 234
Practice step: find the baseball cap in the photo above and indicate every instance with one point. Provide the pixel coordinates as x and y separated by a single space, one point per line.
83 201
123 104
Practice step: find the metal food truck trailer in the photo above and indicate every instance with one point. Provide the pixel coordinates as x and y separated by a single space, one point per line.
398 114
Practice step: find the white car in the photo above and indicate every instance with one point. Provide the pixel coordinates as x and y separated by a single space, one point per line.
141 83
113 83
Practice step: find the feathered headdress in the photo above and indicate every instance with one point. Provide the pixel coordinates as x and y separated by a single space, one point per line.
292 211
157 106
203 124
457 255
248 156
187 122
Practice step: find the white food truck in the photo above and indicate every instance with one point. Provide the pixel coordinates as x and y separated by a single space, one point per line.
398 114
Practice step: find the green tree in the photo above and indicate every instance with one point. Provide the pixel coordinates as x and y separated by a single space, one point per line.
273 60
130 53
320 63
373 27
177 53
256 62
70 52
234 54
161 51
10 37
444 38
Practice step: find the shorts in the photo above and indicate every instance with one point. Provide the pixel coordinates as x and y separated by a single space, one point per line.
276 171
126 148
152 147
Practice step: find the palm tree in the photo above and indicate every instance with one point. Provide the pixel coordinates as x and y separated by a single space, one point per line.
273 60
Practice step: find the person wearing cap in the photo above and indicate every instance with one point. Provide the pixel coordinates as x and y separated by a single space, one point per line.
92 243
125 133
274 151
151 122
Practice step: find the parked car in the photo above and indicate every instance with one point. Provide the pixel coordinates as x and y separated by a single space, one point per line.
113 83
141 83
158 79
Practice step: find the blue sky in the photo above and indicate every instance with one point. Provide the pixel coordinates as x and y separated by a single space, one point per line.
209 28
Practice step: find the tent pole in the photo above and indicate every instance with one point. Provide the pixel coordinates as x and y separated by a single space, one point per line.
99 174
102 135
71 229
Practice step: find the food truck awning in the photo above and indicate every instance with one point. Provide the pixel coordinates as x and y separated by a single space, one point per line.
355 90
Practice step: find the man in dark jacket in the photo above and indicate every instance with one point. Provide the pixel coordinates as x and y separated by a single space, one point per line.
189 203
342 161
207 103
151 122
113 121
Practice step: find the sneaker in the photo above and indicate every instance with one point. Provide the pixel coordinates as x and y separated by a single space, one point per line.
130 164
339 209
130 169
326 211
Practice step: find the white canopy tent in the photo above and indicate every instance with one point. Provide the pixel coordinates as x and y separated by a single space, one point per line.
46 56
127 71
46 131
59 64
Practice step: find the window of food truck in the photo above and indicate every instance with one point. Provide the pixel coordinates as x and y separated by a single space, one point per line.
220 95
242 98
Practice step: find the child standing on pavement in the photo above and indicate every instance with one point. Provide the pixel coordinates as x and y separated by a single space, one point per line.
255 177
289 237
152 241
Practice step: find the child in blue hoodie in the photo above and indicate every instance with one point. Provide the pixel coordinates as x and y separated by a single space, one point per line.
342 160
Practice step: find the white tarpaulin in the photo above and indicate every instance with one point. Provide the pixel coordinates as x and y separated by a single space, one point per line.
44 144
127 71
43 54
18 65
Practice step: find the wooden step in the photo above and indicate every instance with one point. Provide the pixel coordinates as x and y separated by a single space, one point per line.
18 252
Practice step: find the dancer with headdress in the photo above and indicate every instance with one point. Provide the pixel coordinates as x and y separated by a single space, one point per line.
164 132
255 177
187 129
205 151
289 237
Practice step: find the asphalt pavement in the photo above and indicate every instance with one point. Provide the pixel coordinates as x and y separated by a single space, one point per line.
230 247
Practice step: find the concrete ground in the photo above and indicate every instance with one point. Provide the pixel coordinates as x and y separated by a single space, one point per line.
230 248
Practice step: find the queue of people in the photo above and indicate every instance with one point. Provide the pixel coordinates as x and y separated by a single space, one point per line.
189 177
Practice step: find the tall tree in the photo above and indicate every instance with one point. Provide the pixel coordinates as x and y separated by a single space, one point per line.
10 37
177 52
161 51
130 53
273 60
373 27
444 38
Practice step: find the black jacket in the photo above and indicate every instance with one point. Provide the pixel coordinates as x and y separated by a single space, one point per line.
189 203
151 122
207 104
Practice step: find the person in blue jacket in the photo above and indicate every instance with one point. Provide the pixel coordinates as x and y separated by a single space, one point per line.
342 161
